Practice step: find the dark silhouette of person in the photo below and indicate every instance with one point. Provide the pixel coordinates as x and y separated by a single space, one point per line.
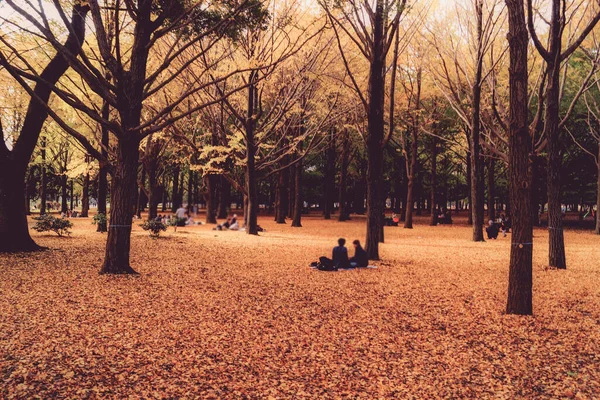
339 258
360 259
492 230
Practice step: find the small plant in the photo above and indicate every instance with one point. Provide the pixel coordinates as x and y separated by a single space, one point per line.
155 227
100 220
48 223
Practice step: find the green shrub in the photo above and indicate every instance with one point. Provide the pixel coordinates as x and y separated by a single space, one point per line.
100 220
48 223
155 227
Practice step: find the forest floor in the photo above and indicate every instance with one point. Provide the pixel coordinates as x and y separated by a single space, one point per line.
220 314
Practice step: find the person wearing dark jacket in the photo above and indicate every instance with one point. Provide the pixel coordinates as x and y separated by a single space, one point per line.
492 230
339 257
360 259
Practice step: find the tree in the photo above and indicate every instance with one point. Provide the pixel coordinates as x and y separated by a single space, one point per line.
372 28
554 56
14 232
521 251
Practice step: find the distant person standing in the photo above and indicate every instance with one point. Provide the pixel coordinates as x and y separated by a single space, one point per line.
180 215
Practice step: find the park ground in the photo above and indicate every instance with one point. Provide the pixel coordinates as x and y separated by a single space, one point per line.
226 315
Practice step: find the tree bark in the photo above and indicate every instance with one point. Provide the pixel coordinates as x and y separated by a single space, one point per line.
412 167
520 270
432 202
103 173
476 165
376 88
43 182
224 197
281 200
210 197
329 177
64 207
491 181
175 193
297 217
251 184
597 230
342 197
123 189
85 195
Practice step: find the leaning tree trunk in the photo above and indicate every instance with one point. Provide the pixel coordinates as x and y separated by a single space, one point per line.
122 197
297 217
520 270
432 202
85 195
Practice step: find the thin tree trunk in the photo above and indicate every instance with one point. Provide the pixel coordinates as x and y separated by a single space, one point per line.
432 202
329 177
297 217
597 230
43 183
520 271
224 197
469 188
64 207
190 192
251 184
103 173
281 196
210 198
175 193
491 189
345 161
85 195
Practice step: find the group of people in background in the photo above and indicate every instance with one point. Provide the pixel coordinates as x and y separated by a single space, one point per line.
494 228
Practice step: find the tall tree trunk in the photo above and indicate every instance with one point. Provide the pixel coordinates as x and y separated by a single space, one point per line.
224 197
85 195
211 204
476 164
103 173
64 207
122 197
251 184
329 177
175 193
43 180
297 217
469 187
411 168
342 197
432 202
154 190
376 88
28 192
190 192
281 200
556 241
14 232
520 270
491 188
71 197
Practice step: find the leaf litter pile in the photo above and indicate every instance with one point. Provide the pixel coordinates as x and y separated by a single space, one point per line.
226 315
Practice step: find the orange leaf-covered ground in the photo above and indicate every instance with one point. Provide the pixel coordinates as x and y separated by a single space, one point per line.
226 315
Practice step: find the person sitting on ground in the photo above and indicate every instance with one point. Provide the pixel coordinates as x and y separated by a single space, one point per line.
223 226
234 225
360 259
492 230
339 257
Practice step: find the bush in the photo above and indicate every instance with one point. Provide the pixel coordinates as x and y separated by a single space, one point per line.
100 220
48 223
155 227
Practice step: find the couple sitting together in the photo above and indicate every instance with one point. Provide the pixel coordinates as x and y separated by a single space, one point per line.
340 257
